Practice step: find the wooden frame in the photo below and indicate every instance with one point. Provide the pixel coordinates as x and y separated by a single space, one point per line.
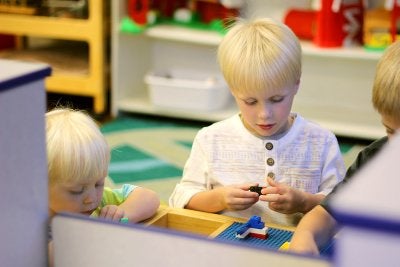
91 30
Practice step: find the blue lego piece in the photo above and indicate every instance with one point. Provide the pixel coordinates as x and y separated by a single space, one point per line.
242 229
255 222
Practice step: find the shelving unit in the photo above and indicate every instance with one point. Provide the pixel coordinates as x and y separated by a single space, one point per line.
91 83
335 88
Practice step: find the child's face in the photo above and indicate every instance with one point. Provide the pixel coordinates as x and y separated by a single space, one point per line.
75 197
391 124
266 113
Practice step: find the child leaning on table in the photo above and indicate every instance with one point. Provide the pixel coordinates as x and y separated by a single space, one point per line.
319 226
78 158
264 144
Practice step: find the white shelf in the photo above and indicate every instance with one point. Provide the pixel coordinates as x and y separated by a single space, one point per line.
182 34
203 37
358 53
335 89
143 105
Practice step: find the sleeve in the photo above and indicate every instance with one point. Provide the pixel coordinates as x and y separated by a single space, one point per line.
362 158
116 196
194 178
334 168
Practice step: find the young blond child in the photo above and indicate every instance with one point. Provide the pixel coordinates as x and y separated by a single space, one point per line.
78 158
319 226
265 144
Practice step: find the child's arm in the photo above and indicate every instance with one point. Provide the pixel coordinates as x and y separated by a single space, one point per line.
285 199
315 229
141 204
222 198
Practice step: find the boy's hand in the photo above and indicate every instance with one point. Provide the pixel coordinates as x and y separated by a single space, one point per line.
112 212
282 198
238 197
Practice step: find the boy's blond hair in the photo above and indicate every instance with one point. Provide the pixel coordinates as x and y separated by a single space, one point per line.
260 54
386 89
76 149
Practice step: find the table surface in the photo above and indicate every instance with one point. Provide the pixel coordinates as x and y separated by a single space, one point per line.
222 227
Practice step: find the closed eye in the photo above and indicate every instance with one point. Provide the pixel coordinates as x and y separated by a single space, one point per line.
250 102
76 192
277 99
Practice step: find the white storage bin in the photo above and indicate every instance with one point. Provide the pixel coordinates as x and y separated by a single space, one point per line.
185 89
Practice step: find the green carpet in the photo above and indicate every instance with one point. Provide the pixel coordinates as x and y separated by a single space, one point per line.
151 151
144 148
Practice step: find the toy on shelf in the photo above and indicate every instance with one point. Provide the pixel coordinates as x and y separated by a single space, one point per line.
377 34
394 6
254 227
382 26
200 14
332 23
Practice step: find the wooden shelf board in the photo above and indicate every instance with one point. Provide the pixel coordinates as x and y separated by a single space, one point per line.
63 28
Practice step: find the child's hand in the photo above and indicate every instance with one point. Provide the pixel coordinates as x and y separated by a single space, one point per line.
238 197
112 212
282 198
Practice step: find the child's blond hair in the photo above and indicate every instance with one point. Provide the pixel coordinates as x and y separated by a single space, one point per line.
260 54
76 149
386 89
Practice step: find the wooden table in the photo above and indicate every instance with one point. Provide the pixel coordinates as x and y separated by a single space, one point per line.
197 222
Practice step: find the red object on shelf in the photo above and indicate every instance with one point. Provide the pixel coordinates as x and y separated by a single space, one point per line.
168 7
137 11
395 20
302 22
7 41
210 11
339 23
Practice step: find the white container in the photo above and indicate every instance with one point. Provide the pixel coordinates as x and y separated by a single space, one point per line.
186 89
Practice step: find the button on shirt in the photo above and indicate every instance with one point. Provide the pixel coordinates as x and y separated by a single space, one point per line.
270 159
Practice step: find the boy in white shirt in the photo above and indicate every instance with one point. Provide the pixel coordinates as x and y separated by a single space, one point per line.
297 161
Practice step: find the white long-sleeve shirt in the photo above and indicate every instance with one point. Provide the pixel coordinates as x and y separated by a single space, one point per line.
307 157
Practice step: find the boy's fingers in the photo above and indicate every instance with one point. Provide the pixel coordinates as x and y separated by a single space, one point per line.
271 181
270 190
271 197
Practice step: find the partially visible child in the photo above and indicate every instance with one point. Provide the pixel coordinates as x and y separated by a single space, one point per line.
265 144
78 158
319 226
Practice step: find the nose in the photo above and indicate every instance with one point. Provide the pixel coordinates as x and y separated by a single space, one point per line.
264 111
90 196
